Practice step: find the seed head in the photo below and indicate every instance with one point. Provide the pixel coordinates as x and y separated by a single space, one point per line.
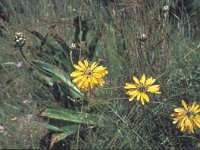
20 39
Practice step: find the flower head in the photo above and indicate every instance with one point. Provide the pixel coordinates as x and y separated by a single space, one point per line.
87 76
166 8
187 118
140 88
20 39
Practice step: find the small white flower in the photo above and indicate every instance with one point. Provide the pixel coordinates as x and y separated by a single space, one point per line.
26 102
73 46
166 8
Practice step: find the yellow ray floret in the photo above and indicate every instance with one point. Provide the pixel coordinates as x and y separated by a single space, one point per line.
187 117
87 76
139 88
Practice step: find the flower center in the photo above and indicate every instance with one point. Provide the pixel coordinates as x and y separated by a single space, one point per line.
88 72
190 114
142 88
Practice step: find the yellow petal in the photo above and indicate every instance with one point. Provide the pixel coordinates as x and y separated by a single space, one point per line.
182 122
138 96
99 69
132 92
174 122
157 92
154 89
106 72
82 65
197 118
79 68
191 130
143 79
86 83
150 81
142 99
196 108
80 84
179 118
94 80
197 123
77 78
136 80
184 105
193 106
145 96
76 73
133 95
130 86
94 64
179 110
101 82
86 63
97 75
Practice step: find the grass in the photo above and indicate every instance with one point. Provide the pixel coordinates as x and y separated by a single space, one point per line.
109 31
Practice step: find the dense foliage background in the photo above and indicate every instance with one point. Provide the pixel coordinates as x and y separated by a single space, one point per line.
110 31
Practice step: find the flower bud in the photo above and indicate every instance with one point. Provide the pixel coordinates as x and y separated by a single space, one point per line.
143 37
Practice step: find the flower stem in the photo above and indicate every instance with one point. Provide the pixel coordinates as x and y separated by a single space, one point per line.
20 49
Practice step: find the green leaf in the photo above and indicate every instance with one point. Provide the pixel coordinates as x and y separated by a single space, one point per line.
66 129
55 46
62 44
46 79
54 128
92 40
70 129
61 75
73 116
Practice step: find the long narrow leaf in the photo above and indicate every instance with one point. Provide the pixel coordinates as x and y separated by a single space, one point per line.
60 74
73 116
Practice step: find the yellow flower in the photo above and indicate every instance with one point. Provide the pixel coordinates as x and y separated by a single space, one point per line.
87 76
187 118
141 87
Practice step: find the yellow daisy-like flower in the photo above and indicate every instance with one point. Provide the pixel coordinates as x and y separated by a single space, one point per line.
187 118
87 76
141 87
